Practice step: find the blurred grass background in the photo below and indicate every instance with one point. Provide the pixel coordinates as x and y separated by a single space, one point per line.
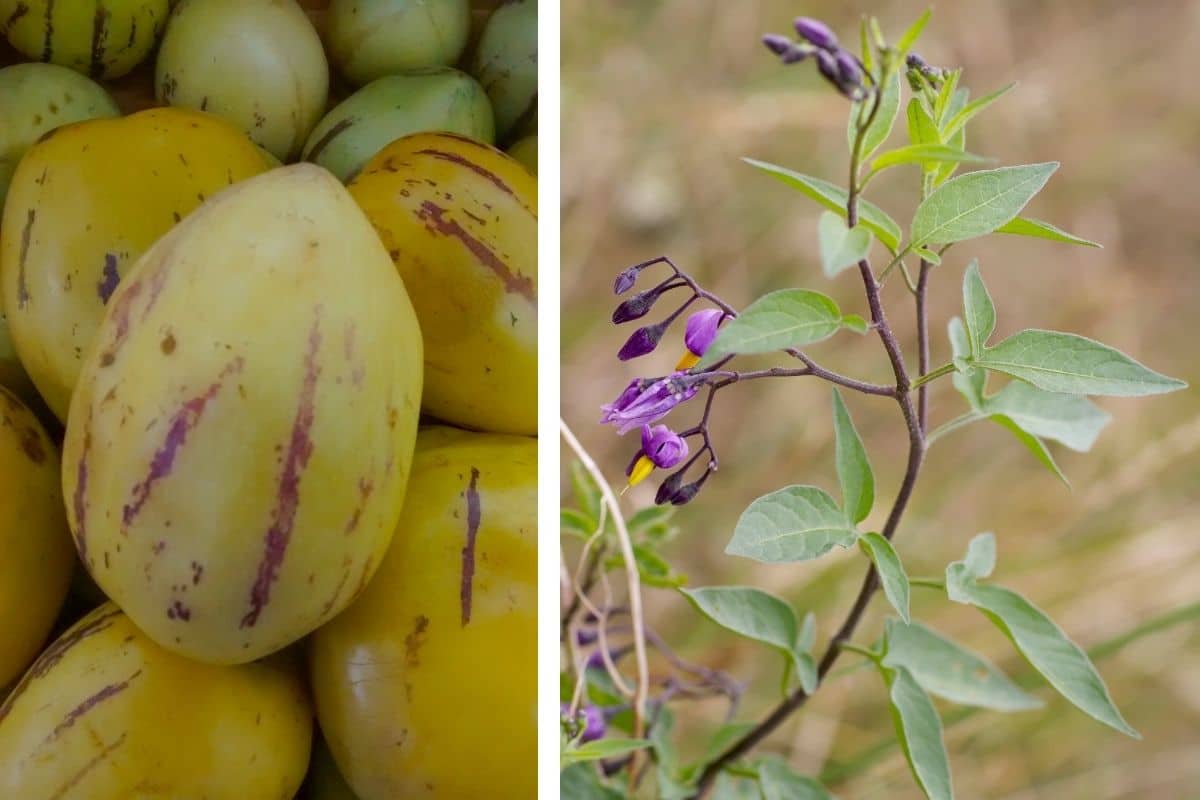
660 101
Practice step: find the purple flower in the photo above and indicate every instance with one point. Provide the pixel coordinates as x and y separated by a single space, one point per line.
625 280
644 402
643 341
585 636
701 330
816 32
777 44
849 73
594 725
661 447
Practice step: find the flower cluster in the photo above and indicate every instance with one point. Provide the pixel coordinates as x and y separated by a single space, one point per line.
920 74
840 67
645 401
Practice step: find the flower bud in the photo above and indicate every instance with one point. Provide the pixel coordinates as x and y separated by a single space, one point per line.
668 488
594 725
776 44
796 53
585 636
636 307
828 68
849 73
643 341
816 32
625 280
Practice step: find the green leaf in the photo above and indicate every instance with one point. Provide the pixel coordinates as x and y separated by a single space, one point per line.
919 730
891 571
978 563
781 319
943 105
868 53
841 247
574 522
1072 364
1033 444
921 129
587 493
977 203
795 523
648 518
654 570
970 381
927 255
923 154
950 671
808 632
885 117
957 140
806 672
1047 648
749 612
579 782
603 748
978 310
724 738
778 782
834 198
910 36
855 323
1025 226
1070 420
853 466
968 112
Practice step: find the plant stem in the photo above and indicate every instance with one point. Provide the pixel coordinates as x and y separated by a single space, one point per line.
919 383
865 652
923 344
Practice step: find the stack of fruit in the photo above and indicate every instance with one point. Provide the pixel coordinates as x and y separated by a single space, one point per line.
267 474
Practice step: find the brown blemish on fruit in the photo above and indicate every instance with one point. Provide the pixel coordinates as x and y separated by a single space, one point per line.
21 10
179 611
336 593
436 221
168 344
197 572
414 640
22 285
109 278
86 768
79 501
99 40
364 493
329 136
287 495
486 174
89 703
468 552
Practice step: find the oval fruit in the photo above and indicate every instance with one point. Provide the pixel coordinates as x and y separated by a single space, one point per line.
105 714
506 64
439 99
525 151
102 38
36 568
256 63
83 206
445 634
459 219
40 97
372 38
239 441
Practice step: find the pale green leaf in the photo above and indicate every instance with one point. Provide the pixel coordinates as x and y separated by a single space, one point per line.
977 203
1033 444
978 310
603 748
853 466
978 563
1071 420
910 36
968 112
868 52
795 523
752 613
806 671
855 323
841 247
919 730
775 321
921 129
950 671
580 782
970 381
925 254
943 106
885 116
923 154
574 522
778 782
834 198
1073 364
1025 226
891 572
808 632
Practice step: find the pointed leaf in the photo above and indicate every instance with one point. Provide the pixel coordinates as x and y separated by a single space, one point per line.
885 117
603 748
841 247
921 129
910 36
808 633
1071 420
977 203
855 323
978 563
580 782
950 671
957 140
781 319
806 672
1072 364
925 254
943 105
919 730
923 154
978 310
970 381
834 198
968 112
778 782
1047 648
891 572
795 523
749 612
1033 444
1025 226
853 466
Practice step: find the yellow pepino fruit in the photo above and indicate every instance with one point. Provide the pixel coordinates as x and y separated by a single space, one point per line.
444 638
106 714
36 567
100 38
84 204
239 442
459 219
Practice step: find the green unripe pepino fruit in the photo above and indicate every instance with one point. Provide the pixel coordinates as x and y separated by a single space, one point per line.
369 39
506 64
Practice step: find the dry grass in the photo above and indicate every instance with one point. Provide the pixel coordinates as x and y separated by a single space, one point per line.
660 101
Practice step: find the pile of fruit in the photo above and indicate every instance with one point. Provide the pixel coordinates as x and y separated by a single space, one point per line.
267 399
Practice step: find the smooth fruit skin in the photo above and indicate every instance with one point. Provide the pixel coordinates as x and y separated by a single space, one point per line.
459 219
506 64
12 373
105 714
40 97
84 204
239 442
525 151
368 39
426 686
438 99
101 38
256 63
37 556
